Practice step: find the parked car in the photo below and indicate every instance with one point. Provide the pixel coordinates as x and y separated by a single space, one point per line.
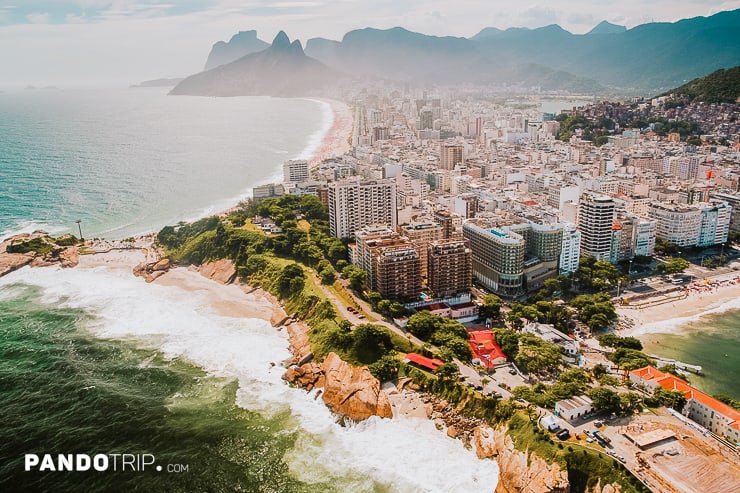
563 434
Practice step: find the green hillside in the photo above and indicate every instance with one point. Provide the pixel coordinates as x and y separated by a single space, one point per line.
722 86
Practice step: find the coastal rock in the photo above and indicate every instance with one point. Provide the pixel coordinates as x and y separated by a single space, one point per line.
453 432
307 376
162 265
298 341
222 271
353 392
520 472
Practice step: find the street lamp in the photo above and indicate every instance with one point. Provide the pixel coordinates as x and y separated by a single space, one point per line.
79 228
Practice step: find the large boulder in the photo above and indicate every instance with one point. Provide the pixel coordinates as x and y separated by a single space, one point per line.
520 472
353 391
222 271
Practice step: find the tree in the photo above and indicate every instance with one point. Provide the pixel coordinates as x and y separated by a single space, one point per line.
508 341
448 371
460 348
345 326
670 398
630 359
613 340
598 370
673 266
605 399
728 400
536 355
386 368
370 342
491 307
629 401
355 276
422 325
374 298
292 279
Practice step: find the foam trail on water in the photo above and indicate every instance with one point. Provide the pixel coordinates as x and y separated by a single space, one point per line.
405 455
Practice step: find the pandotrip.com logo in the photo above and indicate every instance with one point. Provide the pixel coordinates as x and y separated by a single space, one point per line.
98 463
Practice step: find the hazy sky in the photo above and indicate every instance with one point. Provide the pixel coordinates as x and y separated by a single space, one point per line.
118 42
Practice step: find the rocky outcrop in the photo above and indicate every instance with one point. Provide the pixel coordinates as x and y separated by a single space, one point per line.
222 271
151 271
353 392
64 256
520 472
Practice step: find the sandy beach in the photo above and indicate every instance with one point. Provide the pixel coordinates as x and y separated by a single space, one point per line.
679 309
336 140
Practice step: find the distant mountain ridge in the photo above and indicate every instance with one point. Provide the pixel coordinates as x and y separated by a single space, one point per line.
722 86
283 69
646 59
240 44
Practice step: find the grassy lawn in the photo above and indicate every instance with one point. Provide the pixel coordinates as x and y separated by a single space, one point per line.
250 226
304 225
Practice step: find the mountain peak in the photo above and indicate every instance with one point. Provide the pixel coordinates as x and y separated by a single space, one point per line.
281 40
606 27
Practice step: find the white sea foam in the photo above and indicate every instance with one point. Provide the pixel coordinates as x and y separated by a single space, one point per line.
29 227
314 141
677 325
407 455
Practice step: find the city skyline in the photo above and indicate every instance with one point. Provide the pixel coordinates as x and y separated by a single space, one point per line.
124 41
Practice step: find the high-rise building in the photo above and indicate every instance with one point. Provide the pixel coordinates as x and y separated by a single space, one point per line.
397 271
354 204
451 223
295 171
450 267
595 219
680 224
571 249
498 258
420 233
367 240
715 223
450 155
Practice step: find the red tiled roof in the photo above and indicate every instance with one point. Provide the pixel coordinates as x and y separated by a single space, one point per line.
672 382
430 363
484 347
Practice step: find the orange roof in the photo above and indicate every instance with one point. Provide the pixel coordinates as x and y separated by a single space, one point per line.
430 363
672 382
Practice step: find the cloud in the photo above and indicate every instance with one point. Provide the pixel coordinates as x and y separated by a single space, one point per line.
38 18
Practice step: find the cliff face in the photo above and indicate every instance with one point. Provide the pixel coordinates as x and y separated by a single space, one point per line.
222 271
519 473
352 391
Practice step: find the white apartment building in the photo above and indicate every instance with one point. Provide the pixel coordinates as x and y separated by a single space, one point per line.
571 250
354 204
295 171
595 219
679 224
715 223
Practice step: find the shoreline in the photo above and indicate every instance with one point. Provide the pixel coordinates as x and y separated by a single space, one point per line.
672 314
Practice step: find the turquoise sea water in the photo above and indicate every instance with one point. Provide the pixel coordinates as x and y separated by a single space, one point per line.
713 342
96 361
130 161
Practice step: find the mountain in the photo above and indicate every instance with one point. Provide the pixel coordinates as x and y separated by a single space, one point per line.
240 44
169 82
283 69
645 59
605 27
722 86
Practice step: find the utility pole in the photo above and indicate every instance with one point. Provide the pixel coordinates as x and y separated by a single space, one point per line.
79 227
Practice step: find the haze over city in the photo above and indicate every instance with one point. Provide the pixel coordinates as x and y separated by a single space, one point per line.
104 42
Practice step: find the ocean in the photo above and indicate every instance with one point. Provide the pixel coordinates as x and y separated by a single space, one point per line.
95 361
711 341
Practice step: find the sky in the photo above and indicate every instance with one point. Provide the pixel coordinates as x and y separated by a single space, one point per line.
119 42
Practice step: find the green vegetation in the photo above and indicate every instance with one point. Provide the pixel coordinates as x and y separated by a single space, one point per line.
571 382
508 341
586 468
42 245
546 312
673 266
597 275
537 356
630 359
613 340
596 311
728 400
491 307
722 86
670 398
449 335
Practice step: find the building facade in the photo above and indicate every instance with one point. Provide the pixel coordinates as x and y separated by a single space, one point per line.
450 267
595 220
354 204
